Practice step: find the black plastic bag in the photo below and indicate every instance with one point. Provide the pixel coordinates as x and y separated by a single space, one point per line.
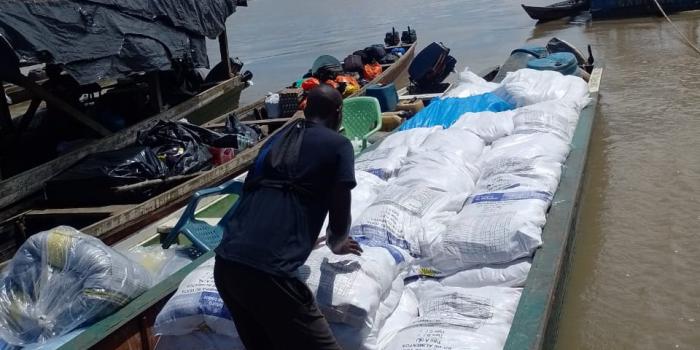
181 146
90 181
246 136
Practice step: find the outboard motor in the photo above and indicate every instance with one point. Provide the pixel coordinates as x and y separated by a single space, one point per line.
429 68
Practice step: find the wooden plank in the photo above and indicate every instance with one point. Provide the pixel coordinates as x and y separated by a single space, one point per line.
109 209
121 222
534 322
30 181
134 310
71 111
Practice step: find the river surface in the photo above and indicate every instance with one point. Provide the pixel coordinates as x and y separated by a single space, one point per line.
635 279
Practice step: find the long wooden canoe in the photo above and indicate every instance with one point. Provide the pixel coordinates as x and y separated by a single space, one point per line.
533 326
116 222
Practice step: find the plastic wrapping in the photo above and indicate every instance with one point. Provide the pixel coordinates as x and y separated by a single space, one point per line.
159 262
60 280
446 111
181 146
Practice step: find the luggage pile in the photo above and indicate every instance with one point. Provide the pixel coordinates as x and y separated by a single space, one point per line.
449 211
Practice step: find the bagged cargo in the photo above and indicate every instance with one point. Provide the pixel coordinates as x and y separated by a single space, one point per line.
462 143
405 313
351 338
459 318
381 162
493 228
349 288
490 126
413 139
511 274
60 280
527 86
196 306
445 171
470 84
405 216
444 112
159 262
528 122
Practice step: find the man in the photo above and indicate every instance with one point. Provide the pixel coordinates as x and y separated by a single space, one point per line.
301 174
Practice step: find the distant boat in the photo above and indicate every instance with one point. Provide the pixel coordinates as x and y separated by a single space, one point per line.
636 8
557 10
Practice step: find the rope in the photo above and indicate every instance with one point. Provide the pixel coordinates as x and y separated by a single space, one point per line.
687 41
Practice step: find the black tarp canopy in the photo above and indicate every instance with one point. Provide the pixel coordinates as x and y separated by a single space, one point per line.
101 39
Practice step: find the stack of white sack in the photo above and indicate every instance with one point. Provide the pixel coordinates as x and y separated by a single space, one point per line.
60 280
350 288
387 157
548 117
490 126
352 338
408 217
527 86
445 161
197 308
470 84
367 189
503 221
512 274
523 162
458 318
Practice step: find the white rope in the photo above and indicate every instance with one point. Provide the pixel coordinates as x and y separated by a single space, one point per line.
676 28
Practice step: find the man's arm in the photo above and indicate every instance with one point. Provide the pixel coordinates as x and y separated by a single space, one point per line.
339 223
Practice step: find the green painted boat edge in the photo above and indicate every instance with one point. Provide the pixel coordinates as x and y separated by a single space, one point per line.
100 330
534 324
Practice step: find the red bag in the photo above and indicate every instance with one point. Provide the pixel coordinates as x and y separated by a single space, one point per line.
221 155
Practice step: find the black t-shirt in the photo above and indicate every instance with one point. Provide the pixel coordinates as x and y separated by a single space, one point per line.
274 230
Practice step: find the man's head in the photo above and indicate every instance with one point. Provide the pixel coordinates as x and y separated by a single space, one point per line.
324 104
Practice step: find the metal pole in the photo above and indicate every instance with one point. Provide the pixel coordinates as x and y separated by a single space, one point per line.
223 48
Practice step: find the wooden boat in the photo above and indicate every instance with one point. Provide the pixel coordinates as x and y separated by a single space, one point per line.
20 192
637 8
537 310
112 223
557 10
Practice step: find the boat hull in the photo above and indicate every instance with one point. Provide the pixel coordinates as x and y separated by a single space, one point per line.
544 14
638 8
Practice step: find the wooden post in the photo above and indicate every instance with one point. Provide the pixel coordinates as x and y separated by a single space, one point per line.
223 48
5 116
42 93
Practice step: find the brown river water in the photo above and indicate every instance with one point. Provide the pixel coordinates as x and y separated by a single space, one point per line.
635 276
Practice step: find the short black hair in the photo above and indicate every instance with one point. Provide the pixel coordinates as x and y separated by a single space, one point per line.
323 101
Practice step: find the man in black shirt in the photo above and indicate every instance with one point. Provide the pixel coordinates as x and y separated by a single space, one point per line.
302 174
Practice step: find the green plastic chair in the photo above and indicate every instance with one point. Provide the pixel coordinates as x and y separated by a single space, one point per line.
362 117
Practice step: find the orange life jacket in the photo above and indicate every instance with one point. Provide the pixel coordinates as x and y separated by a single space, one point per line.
371 71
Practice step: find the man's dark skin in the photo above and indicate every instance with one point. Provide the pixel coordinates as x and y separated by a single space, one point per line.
325 107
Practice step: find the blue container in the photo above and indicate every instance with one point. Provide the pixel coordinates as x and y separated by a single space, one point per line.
519 58
386 94
562 62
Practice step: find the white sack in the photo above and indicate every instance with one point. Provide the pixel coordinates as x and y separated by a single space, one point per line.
382 162
398 214
489 126
465 144
528 86
459 318
511 274
446 171
349 288
195 306
493 228
528 122
470 84
412 138
405 313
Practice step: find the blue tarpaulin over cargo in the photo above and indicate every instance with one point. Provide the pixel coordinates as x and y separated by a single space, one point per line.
446 111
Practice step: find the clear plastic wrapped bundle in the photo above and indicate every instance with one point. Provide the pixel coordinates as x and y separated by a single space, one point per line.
60 280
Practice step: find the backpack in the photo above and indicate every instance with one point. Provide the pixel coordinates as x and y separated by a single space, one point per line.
353 63
375 52
363 56
431 66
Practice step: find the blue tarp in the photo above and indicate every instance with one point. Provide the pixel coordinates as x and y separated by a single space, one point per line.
446 111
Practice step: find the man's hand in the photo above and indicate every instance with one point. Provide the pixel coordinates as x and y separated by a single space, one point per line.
349 246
